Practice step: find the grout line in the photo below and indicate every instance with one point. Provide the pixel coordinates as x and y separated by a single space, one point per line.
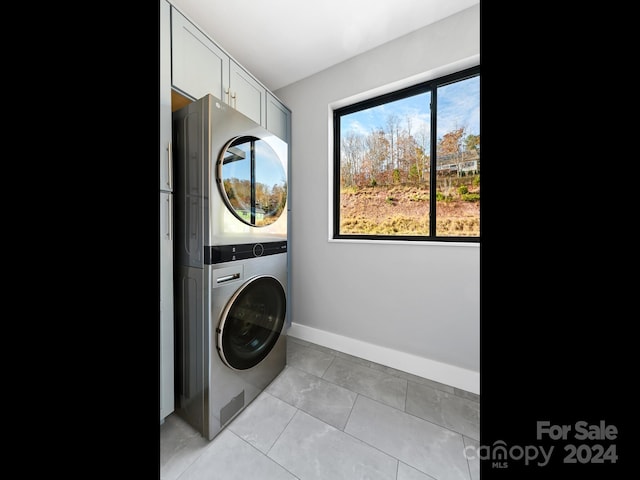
350 412
327 369
465 457
285 427
258 450
406 397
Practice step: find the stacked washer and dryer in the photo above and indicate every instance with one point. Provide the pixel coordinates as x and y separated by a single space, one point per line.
230 261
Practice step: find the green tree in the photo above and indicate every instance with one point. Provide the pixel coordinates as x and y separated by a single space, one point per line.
472 142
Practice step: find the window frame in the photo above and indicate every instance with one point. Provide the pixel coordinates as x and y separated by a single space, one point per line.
426 86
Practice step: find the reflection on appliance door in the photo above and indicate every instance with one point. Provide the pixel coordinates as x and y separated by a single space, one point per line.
252 181
252 322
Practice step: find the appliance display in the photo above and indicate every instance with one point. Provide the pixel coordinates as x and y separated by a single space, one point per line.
230 261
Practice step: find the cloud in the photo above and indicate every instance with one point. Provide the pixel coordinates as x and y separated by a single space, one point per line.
354 126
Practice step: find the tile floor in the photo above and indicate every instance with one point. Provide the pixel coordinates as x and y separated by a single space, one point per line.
332 416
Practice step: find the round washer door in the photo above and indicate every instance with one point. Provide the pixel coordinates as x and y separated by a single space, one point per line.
252 180
251 322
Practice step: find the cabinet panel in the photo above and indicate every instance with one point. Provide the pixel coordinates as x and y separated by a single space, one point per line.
199 66
166 306
278 118
247 95
165 96
166 221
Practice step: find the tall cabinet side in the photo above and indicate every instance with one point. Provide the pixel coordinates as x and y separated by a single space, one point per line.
166 220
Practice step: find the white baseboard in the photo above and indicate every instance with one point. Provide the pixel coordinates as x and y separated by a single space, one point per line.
458 377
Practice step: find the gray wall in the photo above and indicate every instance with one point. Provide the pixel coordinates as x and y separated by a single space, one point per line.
421 299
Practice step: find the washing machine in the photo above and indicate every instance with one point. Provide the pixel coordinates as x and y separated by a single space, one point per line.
230 261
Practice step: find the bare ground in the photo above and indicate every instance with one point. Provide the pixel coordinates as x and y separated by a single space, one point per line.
404 210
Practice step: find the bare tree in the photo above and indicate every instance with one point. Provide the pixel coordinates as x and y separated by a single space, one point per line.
378 151
351 154
393 127
422 158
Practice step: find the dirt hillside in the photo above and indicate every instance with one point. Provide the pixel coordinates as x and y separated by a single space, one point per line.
405 210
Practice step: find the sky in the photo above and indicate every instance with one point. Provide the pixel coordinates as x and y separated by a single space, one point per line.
458 106
270 169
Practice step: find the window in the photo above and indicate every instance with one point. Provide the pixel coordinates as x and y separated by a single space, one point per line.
407 164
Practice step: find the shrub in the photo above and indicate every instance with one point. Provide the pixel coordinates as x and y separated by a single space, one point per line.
413 173
471 197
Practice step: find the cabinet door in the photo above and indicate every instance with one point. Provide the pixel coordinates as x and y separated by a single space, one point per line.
246 94
278 118
199 67
166 182
166 305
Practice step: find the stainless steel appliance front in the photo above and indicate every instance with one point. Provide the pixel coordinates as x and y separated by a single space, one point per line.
230 260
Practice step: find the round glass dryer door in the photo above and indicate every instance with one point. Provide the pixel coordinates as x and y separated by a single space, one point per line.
252 181
252 322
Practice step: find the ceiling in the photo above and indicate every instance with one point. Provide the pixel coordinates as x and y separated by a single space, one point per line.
283 41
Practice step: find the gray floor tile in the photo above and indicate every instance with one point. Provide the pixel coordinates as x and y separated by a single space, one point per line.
361 361
405 472
320 398
389 370
473 457
457 413
312 345
180 446
468 395
262 422
380 386
332 416
291 338
330 351
174 434
313 450
228 457
412 378
431 449
308 359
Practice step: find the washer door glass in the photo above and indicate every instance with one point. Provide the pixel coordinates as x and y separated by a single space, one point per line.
252 180
252 322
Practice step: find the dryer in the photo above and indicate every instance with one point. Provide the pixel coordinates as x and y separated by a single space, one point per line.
230 261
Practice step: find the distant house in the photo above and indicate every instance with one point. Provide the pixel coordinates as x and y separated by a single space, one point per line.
464 163
471 166
245 214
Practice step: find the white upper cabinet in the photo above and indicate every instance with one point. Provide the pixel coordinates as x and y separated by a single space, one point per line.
278 119
246 94
199 66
